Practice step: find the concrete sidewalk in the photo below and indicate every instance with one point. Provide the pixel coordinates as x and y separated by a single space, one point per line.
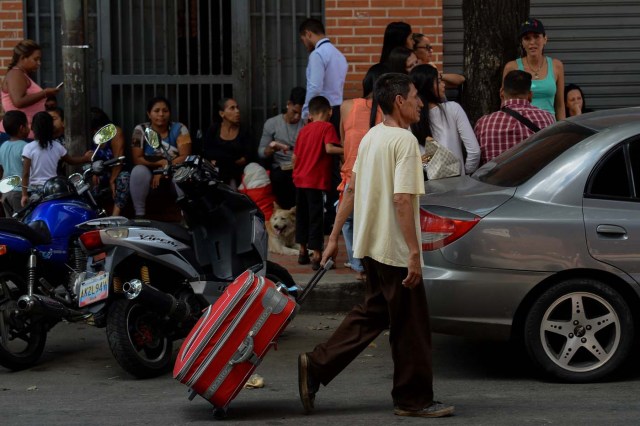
338 291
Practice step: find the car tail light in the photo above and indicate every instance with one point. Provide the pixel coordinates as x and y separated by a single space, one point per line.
91 240
3 249
439 231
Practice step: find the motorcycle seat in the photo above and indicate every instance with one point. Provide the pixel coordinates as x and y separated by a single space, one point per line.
16 227
176 232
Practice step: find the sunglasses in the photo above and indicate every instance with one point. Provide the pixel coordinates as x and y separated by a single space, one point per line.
427 47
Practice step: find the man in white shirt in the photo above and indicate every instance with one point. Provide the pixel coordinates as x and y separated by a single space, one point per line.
387 233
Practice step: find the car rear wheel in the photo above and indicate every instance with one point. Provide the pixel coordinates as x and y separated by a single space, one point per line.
580 330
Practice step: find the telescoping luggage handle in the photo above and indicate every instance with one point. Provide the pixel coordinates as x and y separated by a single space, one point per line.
314 280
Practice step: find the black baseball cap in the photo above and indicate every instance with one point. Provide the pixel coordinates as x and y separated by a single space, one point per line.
531 25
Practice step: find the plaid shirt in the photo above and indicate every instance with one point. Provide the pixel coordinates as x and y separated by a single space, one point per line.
498 131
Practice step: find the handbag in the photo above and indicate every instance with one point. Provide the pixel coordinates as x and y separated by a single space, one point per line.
438 161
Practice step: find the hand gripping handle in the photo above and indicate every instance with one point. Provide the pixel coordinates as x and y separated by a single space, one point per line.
314 280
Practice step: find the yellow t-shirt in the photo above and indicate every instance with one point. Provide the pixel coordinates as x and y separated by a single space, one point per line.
388 163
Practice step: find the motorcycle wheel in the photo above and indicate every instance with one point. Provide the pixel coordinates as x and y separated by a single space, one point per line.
137 340
22 340
277 273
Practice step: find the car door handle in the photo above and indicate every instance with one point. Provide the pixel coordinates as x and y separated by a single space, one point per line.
611 230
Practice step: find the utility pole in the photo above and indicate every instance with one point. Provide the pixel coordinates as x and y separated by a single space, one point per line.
74 57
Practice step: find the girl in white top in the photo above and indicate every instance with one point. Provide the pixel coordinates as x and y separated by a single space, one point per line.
446 122
41 157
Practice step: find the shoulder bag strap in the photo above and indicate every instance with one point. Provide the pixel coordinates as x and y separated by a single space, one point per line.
521 118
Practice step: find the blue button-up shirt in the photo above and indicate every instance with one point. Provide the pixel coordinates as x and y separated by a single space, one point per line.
326 73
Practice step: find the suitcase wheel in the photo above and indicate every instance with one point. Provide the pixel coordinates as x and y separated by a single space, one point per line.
219 413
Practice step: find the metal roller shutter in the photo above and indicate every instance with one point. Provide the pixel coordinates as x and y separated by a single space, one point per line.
597 40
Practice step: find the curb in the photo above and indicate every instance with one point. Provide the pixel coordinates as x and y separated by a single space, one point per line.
334 293
337 291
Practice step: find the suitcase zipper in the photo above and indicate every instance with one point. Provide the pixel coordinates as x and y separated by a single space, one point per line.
203 343
225 336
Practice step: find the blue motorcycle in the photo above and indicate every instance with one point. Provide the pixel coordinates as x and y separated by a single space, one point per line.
42 263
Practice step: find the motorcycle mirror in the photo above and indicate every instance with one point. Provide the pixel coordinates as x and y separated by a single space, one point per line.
152 138
105 134
10 183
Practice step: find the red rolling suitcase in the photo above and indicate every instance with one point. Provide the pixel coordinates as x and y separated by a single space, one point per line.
233 335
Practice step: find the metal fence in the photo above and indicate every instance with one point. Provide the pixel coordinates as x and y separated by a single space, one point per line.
278 57
193 52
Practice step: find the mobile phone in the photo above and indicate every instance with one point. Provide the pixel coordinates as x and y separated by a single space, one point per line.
59 85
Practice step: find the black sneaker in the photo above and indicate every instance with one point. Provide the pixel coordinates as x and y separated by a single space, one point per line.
436 409
307 384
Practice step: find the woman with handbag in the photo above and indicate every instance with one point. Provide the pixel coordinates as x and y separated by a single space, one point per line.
446 122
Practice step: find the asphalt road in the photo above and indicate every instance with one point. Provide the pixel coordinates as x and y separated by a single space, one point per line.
78 382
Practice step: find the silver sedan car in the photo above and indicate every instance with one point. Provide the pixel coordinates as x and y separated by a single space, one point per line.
542 245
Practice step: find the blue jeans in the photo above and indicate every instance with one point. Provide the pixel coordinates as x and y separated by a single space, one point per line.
347 233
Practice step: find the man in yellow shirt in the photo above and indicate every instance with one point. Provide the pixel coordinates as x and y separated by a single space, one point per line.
386 236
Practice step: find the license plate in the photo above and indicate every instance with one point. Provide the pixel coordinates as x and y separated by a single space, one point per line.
93 290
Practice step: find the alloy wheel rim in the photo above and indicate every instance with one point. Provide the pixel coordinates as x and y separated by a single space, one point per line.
580 332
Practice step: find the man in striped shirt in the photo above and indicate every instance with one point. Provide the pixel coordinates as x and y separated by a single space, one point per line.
499 131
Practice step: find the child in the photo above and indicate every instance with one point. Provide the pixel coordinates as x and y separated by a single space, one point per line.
58 124
312 163
58 131
17 127
117 177
42 155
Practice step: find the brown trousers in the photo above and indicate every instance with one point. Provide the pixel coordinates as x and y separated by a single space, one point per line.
387 304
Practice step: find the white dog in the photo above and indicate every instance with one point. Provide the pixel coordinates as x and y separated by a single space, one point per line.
282 231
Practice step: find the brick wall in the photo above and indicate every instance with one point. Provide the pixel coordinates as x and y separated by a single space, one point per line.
357 28
11 30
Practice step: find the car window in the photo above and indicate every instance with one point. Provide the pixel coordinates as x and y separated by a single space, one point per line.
634 156
611 179
518 164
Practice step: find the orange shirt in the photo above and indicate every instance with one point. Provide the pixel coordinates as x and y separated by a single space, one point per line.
356 125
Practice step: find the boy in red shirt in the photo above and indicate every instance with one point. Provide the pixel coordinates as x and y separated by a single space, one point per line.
316 142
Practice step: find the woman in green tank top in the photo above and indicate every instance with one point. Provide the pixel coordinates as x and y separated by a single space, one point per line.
547 82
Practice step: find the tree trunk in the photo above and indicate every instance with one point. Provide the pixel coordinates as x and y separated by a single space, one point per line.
490 41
